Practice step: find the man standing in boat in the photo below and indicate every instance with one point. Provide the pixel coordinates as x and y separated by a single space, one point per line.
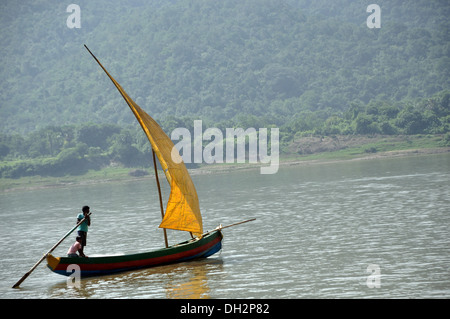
83 228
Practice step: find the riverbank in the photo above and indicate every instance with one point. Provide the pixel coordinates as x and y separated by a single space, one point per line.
301 151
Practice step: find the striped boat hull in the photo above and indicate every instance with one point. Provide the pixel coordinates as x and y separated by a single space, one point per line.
95 266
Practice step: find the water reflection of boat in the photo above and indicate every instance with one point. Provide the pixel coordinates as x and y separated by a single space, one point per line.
185 280
191 280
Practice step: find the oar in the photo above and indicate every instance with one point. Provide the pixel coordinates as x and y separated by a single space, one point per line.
17 284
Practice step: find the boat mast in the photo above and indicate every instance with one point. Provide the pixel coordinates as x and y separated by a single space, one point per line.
160 197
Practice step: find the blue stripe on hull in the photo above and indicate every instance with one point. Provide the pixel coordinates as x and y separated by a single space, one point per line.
214 249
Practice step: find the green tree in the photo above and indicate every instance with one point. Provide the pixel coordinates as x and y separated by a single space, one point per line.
4 149
411 121
97 135
366 124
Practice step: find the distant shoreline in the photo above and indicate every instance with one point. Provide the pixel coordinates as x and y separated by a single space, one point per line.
114 175
222 168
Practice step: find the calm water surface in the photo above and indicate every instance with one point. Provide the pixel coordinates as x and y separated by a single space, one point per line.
320 229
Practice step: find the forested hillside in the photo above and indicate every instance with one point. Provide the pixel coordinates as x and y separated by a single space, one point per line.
307 67
216 60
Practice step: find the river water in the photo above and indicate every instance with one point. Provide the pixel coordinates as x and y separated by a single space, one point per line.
354 229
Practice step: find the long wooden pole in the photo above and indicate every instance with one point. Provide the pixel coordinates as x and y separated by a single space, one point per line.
160 197
245 221
17 284
222 227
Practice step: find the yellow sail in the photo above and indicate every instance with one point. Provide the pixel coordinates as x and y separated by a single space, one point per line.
183 209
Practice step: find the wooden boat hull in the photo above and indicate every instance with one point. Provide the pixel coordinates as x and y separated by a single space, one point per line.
96 266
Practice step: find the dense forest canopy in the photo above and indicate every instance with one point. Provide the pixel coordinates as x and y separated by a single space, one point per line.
267 60
308 67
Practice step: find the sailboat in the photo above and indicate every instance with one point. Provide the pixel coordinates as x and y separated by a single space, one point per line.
182 211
